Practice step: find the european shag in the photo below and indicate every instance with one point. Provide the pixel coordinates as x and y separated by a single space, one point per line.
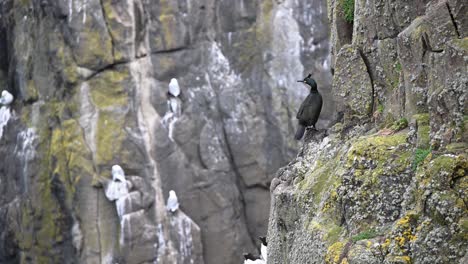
309 111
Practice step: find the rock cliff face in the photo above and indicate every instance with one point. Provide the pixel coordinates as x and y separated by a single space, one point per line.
373 188
90 79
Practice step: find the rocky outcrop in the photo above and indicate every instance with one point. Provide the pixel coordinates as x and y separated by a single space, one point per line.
370 189
90 79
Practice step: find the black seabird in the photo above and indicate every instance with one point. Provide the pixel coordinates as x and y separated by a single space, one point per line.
309 111
263 247
251 259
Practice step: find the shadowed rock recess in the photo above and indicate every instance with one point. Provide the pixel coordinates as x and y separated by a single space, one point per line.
387 183
90 79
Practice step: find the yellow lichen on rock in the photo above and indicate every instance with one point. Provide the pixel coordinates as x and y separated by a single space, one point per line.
108 89
109 137
334 253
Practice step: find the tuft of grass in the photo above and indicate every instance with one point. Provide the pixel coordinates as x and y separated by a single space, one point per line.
368 234
400 124
380 108
348 10
398 67
419 156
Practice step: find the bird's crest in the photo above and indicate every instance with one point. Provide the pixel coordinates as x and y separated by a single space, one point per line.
309 81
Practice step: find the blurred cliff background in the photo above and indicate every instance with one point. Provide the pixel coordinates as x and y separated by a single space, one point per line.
90 79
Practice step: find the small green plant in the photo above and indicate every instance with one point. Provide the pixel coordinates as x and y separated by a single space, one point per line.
380 108
419 156
400 124
398 67
365 235
348 10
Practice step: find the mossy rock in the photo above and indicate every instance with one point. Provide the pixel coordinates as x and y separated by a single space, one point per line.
108 89
400 124
173 31
73 159
461 43
66 63
94 49
422 119
375 147
318 180
109 137
457 147
423 137
442 171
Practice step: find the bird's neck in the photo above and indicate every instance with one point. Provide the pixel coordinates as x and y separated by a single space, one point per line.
313 90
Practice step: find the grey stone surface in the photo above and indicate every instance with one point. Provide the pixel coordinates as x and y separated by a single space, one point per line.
352 86
448 93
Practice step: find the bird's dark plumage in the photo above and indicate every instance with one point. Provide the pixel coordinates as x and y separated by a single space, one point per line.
263 240
250 256
310 109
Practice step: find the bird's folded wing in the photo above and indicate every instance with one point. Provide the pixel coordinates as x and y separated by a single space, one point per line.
299 113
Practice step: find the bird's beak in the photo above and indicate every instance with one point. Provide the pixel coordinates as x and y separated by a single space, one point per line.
300 81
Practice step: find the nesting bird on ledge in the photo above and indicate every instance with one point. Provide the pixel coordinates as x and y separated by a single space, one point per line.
6 98
172 202
309 111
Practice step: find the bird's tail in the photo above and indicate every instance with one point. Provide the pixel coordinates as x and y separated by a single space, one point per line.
300 132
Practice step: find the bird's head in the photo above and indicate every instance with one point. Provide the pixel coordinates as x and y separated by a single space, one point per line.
4 93
263 240
116 172
309 81
172 193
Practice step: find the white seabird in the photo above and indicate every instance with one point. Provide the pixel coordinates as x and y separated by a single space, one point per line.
6 98
174 88
263 248
172 203
174 106
5 115
118 173
118 186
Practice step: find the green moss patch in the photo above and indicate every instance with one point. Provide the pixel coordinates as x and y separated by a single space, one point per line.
442 171
348 10
419 156
422 119
400 124
368 234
